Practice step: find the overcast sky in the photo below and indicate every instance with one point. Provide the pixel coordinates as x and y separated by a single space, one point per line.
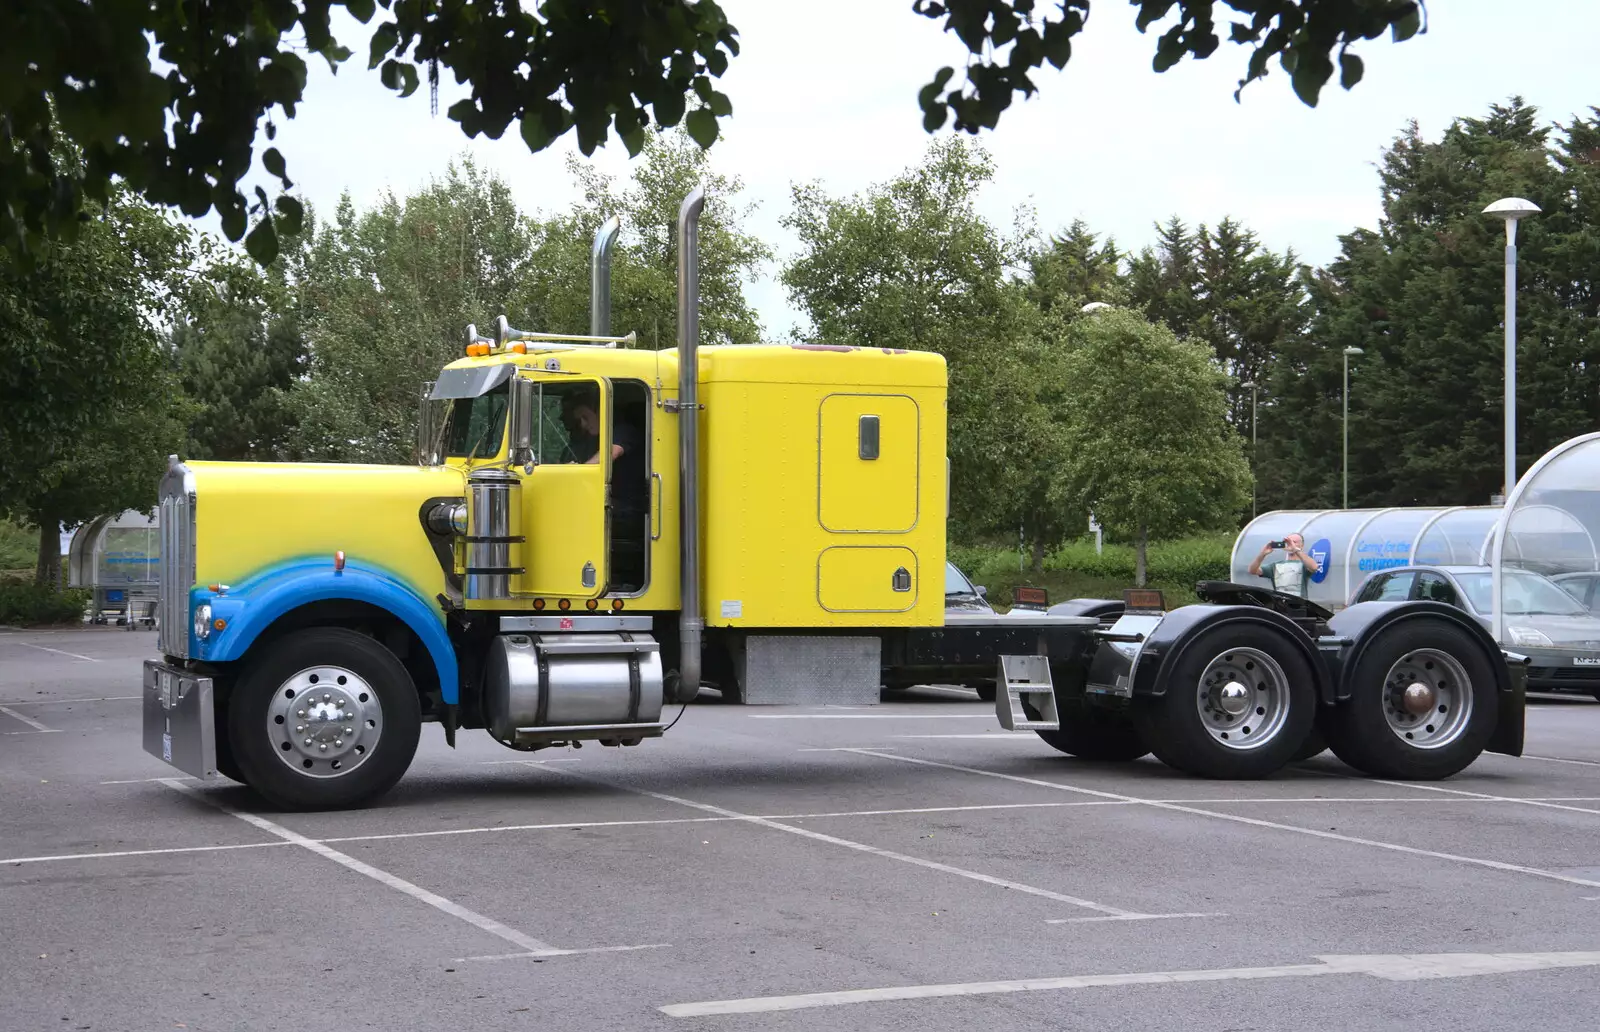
826 90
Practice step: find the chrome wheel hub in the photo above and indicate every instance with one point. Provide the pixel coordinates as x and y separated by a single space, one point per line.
1427 698
324 721
1243 698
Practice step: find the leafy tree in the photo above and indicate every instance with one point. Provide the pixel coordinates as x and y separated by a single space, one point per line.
92 406
1145 433
1164 280
183 134
1074 269
240 350
644 267
1422 295
385 297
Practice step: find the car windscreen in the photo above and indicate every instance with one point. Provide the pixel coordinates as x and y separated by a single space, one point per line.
955 583
1526 594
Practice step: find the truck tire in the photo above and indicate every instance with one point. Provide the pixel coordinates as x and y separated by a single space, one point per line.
1092 733
1423 704
1238 704
1314 745
987 690
227 766
345 695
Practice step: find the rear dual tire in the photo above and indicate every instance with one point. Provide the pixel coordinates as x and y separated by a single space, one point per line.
1093 733
1239 704
1424 704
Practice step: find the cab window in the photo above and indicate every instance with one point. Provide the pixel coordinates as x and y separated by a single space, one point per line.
567 422
1387 587
477 425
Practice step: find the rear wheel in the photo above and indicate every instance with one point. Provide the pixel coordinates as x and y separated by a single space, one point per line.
1093 733
1423 704
327 719
1314 745
986 690
1238 704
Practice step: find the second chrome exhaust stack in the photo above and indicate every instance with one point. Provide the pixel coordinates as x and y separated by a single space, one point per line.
691 623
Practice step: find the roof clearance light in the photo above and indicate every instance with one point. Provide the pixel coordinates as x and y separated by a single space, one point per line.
519 348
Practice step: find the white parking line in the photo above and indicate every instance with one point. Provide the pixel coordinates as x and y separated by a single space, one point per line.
67 702
1472 795
59 652
993 736
14 715
1497 865
532 946
1558 759
862 847
909 811
870 716
1396 968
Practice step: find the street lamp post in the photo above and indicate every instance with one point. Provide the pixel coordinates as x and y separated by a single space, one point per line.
1252 385
1346 463
1511 209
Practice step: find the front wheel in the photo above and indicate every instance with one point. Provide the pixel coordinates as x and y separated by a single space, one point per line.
327 719
1423 704
1239 703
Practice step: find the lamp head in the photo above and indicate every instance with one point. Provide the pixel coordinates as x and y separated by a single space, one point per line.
1512 208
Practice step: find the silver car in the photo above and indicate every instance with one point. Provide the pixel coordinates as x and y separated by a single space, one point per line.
1549 625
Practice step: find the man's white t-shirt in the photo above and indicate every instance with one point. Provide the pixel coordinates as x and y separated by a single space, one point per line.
1289 576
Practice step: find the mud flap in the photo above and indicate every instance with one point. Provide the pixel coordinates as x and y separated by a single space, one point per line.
1511 727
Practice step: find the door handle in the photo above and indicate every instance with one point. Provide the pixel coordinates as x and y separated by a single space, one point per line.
655 510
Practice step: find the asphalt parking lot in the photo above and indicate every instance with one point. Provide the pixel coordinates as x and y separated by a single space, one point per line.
891 867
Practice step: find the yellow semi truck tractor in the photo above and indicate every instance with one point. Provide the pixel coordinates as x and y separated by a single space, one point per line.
595 532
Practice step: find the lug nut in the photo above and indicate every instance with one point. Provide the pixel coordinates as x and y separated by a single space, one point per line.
347 731
299 729
326 697
337 742
308 742
301 714
323 747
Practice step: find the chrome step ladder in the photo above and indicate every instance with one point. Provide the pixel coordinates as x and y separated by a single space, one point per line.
1026 695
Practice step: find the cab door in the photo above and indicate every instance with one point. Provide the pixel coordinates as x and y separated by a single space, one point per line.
564 519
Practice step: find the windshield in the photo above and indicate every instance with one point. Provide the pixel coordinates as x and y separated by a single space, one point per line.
477 425
955 583
1526 594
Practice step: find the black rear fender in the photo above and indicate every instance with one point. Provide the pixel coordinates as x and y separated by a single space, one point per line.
1168 642
1358 627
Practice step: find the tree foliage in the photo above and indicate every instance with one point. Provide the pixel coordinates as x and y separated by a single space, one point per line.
168 98
1144 432
92 406
644 267
1422 295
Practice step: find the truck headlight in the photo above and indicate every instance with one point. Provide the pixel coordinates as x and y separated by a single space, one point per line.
1528 636
202 620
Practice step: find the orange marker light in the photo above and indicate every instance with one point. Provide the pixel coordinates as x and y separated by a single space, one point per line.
591 604
521 349
564 604
538 603
220 624
616 603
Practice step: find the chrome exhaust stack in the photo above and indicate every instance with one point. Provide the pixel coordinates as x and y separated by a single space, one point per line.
605 238
691 622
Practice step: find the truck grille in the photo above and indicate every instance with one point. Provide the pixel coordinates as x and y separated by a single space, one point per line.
177 559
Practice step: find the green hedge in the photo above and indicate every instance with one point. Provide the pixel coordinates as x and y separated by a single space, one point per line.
24 604
1183 561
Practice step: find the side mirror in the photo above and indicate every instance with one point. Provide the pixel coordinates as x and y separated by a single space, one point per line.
523 404
983 592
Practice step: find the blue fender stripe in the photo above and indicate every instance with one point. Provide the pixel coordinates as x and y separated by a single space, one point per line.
253 606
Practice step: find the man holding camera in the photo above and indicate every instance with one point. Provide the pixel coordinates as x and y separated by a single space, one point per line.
1292 574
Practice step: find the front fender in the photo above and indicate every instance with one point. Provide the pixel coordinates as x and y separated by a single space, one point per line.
248 609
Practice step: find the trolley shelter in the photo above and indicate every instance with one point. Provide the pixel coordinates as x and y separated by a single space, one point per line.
118 558
1553 522
1548 536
